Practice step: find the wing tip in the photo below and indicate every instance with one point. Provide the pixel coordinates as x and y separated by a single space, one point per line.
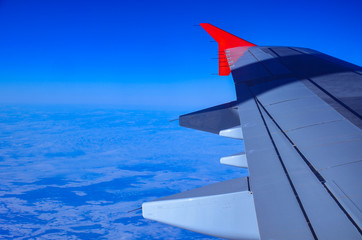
225 40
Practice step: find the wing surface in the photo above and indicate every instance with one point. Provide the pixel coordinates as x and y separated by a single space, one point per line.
299 113
310 107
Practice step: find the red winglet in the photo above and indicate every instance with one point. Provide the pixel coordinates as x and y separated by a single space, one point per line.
225 41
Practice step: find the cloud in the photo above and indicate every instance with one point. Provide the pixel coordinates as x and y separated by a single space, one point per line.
75 172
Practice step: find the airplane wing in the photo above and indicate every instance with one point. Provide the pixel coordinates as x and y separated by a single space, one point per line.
299 113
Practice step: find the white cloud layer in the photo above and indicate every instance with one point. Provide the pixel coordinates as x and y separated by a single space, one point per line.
75 172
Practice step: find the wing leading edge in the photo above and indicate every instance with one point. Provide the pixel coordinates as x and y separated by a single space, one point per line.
299 113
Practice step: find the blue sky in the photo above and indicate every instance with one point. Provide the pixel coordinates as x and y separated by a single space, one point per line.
149 53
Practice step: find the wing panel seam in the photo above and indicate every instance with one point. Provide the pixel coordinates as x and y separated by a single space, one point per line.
317 174
287 174
319 87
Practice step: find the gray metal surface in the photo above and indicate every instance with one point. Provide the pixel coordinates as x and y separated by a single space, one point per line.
229 186
303 112
278 211
325 134
347 189
266 58
338 79
300 114
314 197
269 93
224 210
339 106
248 69
212 119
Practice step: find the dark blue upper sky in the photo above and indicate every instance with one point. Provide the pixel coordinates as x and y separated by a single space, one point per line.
149 52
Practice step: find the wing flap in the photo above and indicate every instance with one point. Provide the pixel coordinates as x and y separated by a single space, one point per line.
213 120
224 209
